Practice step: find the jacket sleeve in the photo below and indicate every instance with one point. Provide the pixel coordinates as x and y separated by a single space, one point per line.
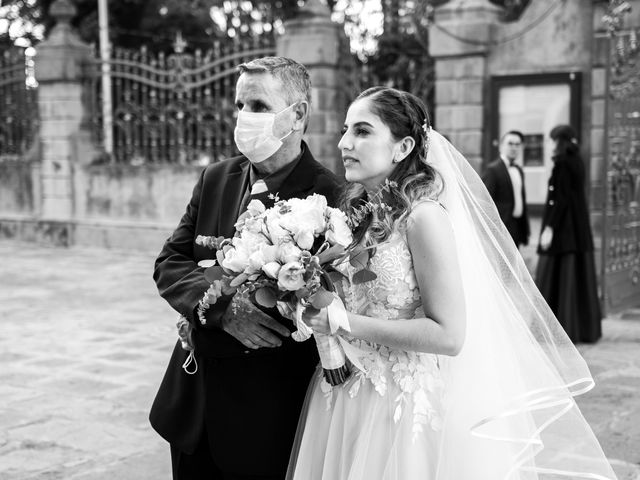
489 179
558 196
179 279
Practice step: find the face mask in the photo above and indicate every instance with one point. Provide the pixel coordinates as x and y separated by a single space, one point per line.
254 135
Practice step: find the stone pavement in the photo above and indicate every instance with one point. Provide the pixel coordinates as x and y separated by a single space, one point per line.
84 340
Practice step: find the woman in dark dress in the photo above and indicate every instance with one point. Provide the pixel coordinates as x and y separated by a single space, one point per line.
566 271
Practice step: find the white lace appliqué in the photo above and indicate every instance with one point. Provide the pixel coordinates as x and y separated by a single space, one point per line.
413 378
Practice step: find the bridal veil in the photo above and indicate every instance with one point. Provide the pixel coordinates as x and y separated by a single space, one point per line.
510 408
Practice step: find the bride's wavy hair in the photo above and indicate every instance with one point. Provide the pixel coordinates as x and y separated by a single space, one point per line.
411 179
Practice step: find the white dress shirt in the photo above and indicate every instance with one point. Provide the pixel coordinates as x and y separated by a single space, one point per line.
516 183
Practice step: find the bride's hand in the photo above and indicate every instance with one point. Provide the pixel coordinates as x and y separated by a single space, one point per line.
546 237
318 320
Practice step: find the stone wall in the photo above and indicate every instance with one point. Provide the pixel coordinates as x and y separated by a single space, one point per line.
18 180
122 206
317 42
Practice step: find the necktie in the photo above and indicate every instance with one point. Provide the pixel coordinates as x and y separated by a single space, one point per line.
259 191
258 188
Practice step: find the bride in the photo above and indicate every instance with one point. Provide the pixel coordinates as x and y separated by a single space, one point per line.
461 372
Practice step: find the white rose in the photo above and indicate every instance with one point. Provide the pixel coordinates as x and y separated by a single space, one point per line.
290 276
274 230
263 255
305 219
255 208
270 253
256 261
271 269
288 252
250 240
304 239
236 258
316 202
253 224
338 231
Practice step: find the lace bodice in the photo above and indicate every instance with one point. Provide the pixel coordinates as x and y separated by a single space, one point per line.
394 295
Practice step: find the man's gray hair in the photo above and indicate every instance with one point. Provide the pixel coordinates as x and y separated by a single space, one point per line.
293 75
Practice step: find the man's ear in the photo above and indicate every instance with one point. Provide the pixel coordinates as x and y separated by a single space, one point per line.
407 145
301 112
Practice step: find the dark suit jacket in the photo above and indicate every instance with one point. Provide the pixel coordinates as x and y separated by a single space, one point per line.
249 400
497 180
565 209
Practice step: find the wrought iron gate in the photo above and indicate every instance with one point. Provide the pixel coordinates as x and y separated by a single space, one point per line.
175 108
621 216
18 103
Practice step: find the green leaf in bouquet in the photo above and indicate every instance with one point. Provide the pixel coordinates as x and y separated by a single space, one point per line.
359 258
322 298
332 281
227 289
209 262
330 254
302 293
266 297
239 280
214 273
335 276
363 276
326 281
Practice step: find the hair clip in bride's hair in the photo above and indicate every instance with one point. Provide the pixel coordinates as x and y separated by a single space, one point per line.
425 127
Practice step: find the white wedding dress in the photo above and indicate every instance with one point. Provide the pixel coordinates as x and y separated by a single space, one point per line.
384 424
503 409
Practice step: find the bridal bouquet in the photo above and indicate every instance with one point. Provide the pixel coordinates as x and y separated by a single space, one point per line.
284 257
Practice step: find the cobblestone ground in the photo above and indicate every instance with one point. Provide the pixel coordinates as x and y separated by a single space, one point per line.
84 340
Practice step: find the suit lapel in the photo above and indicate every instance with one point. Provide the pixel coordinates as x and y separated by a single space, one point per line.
234 187
506 179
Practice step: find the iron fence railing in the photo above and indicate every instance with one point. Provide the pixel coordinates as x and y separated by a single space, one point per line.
18 103
175 108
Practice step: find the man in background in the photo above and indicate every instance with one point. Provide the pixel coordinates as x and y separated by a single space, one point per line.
504 179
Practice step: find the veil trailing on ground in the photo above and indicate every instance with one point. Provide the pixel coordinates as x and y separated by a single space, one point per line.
510 403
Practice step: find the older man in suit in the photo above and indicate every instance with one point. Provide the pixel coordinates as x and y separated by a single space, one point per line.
504 179
236 417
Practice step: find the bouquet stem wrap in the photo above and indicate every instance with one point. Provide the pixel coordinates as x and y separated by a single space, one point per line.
330 347
332 358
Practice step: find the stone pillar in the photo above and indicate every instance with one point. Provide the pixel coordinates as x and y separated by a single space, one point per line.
460 44
315 41
59 69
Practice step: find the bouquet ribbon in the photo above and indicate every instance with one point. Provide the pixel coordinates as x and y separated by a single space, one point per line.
332 349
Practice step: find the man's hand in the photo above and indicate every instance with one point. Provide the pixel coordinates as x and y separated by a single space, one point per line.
251 326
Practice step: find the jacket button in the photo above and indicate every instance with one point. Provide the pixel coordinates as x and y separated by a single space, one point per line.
551 202
551 188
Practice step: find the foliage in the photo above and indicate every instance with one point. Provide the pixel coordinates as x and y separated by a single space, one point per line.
23 22
389 36
151 22
513 9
